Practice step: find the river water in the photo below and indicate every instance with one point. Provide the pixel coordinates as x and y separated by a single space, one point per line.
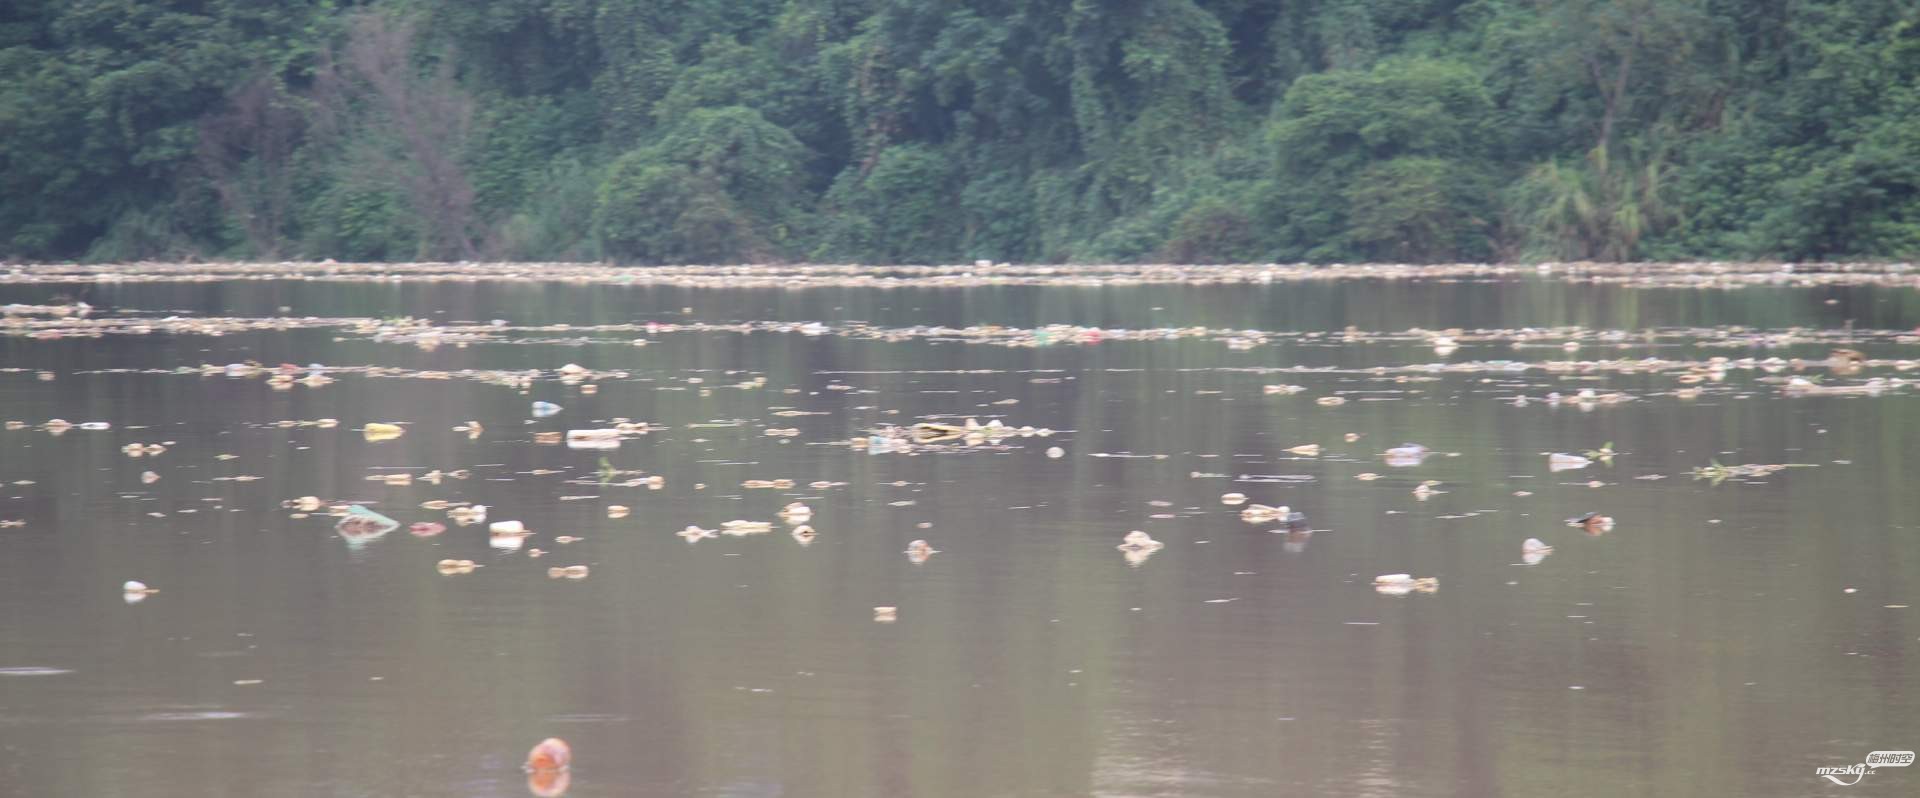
1732 632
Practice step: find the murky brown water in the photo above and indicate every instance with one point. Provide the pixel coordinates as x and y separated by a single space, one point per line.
1723 639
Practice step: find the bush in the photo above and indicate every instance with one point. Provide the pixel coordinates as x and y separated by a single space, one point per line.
905 208
1211 232
664 213
1419 209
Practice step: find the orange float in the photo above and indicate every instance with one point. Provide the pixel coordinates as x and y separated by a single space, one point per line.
551 755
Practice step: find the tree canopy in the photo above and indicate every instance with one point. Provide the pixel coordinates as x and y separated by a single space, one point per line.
656 131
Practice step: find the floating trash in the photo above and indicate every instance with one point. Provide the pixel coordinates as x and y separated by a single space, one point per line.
742 528
1233 499
1055 452
607 434
1406 454
972 432
1560 461
618 511
569 572
804 276
1263 514
135 591
694 534
886 614
804 534
360 526
920 551
550 754
1403 584
382 432
1533 551
1137 546
455 567
1282 479
1593 523
426 529
1717 473
1801 386
544 409
1330 401
1306 450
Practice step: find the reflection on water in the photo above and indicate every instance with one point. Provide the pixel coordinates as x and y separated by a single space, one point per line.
197 714
1746 620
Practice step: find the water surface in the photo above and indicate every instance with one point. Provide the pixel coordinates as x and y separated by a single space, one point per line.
1724 639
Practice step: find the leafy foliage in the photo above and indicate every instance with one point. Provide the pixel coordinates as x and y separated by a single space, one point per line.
942 130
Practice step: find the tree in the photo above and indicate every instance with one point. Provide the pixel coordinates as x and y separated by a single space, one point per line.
665 213
1419 208
247 153
721 185
100 107
407 125
1346 140
899 211
1592 210
884 130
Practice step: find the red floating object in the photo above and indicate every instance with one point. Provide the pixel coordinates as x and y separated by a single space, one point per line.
552 754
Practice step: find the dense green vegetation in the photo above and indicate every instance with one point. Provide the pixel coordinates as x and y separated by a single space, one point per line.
949 130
